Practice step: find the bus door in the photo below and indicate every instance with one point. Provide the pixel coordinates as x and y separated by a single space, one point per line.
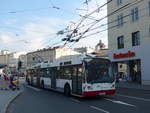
38 74
77 81
53 78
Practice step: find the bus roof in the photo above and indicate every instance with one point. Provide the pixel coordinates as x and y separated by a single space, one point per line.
66 60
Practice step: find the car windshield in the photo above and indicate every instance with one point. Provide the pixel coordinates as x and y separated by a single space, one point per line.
99 71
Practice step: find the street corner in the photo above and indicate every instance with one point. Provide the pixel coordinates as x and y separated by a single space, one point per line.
7 96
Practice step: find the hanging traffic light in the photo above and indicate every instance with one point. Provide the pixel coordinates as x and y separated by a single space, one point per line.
19 64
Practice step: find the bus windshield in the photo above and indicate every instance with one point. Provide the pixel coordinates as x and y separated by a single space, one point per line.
99 71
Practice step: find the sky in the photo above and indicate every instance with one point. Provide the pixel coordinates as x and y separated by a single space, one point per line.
28 25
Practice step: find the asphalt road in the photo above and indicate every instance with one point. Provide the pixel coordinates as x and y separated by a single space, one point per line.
35 100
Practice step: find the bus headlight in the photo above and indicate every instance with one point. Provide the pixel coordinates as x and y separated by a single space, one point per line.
113 86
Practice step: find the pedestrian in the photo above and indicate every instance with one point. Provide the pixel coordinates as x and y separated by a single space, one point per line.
1 81
5 81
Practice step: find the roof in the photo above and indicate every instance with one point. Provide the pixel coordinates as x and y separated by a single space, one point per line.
67 60
45 49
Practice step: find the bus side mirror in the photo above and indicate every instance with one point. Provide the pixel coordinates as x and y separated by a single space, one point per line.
113 79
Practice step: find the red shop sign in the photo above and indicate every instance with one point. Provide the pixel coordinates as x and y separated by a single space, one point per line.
124 55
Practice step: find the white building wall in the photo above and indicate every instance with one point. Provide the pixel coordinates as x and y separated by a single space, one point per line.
142 25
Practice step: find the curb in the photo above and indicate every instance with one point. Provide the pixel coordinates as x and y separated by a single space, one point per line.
8 104
133 88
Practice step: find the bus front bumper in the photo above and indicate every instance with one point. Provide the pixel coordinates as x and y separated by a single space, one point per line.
99 93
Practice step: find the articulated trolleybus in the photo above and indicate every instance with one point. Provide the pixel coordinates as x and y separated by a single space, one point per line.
78 75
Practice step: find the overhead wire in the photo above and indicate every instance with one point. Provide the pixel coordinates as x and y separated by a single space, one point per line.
113 21
115 26
85 17
112 13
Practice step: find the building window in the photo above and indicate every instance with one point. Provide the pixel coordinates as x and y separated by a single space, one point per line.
120 41
134 14
33 58
136 38
120 20
119 2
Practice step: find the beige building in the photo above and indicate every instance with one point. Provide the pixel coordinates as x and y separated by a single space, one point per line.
8 61
23 59
8 58
4 52
48 55
129 38
4 59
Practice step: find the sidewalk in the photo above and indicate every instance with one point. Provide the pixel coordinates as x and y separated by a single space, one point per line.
6 96
129 85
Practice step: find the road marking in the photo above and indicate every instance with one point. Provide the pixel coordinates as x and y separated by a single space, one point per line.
36 89
120 102
75 100
99 109
137 98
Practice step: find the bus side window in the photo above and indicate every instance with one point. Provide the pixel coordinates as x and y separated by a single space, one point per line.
74 73
60 73
40 72
65 72
54 72
48 72
68 72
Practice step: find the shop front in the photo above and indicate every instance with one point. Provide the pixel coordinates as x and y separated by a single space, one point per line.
131 65
129 71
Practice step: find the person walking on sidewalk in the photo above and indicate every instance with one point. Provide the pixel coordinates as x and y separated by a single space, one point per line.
1 81
5 81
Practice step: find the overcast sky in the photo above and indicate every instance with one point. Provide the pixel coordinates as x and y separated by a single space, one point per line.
27 25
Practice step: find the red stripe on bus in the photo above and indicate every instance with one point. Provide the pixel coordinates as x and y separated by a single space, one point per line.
96 93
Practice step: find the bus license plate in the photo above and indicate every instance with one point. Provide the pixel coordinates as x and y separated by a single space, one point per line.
100 94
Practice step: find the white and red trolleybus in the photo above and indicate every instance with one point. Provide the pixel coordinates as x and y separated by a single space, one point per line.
78 75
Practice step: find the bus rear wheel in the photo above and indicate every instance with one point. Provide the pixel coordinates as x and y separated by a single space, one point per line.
67 90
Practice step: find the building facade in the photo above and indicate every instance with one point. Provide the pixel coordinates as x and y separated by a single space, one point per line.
129 39
23 59
84 50
8 62
48 55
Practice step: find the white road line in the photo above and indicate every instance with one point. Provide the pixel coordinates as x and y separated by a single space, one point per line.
36 89
137 98
120 102
99 109
75 100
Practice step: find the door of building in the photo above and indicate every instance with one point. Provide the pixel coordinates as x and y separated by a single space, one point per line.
135 70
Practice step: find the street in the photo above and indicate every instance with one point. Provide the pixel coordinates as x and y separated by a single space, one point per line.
35 100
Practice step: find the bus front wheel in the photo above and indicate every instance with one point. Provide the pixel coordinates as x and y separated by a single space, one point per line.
67 90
